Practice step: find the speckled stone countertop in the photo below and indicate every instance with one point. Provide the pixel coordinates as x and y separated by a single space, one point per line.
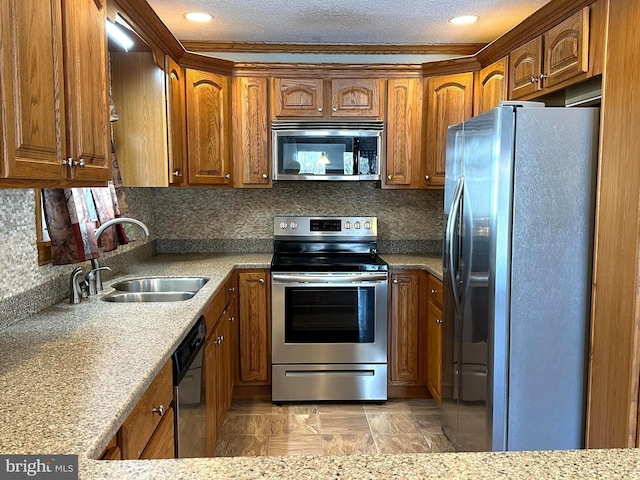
415 262
72 373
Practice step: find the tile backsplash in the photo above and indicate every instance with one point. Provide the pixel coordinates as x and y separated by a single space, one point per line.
211 219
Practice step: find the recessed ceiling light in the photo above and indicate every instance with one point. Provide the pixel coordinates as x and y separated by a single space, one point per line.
464 19
198 16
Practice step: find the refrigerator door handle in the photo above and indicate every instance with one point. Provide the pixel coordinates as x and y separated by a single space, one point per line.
456 204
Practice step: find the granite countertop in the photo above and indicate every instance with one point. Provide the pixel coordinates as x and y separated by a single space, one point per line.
72 373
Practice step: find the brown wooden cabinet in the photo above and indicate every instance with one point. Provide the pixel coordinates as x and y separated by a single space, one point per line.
176 121
148 430
208 128
449 100
254 327
434 338
251 158
403 132
560 54
305 97
490 86
54 123
406 332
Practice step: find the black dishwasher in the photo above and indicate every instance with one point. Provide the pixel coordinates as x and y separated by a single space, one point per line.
188 393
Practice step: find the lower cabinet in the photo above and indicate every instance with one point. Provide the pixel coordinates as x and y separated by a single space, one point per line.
254 327
415 334
148 431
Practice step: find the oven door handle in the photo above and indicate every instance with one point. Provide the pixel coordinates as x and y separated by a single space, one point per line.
346 278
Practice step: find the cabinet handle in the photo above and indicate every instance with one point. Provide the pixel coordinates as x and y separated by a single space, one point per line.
542 76
389 177
80 163
261 280
232 318
433 291
438 321
227 176
335 109
427 178
218 340
265 176
159 410
176 173
232 289
319 109
534 79
395 281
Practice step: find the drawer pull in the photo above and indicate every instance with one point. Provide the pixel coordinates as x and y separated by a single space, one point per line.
433 291
159 410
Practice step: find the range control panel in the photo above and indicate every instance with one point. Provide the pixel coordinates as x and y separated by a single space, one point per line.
326 227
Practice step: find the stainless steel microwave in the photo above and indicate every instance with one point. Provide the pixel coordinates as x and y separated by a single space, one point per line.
327 150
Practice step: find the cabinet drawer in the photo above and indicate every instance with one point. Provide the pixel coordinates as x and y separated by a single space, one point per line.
435 291
162 443
139 426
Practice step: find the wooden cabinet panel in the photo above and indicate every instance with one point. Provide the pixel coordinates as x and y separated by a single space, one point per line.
295 97
250 132
139 426
404 341
33 121
490 87
449 101
255 332
355 97
404 131
208 128
140 135
566 49
525 65
176 121
87 89
434 352
162 443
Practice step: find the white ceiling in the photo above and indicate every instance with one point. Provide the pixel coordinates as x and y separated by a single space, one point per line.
394 22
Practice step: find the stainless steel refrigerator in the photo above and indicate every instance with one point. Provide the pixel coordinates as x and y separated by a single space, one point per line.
519 211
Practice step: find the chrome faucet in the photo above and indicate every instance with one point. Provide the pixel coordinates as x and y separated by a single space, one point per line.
94 278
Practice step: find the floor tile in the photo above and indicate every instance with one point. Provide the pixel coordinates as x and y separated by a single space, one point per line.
390 423
290 424
250 407
242 446
349 443
343 423
401 443
392 406
341 408
295 445
439 443
294 408
429 422
423 405
246 425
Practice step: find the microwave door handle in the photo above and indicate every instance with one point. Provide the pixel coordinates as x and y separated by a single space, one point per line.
356 157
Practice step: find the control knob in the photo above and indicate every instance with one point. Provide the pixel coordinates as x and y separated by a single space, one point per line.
293 225
284 225
347 225
357 225
367 225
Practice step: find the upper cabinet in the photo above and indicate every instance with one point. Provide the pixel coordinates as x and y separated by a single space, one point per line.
305 97
567 53
403 131
490 86
176 121
208 128
54 123
251 160
449 100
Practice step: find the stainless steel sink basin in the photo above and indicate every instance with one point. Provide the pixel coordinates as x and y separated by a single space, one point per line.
161 284
136 297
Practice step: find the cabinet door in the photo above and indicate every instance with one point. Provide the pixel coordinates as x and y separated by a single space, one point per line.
250 134
176 121
208 128
490 87
211 381
449 101
525 66
566 49
404 130
355 97
87 88
255 340
161 444
32 140
434 351
295 97
405 329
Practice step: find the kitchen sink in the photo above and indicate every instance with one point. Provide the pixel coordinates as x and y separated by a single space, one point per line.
161 284
136 297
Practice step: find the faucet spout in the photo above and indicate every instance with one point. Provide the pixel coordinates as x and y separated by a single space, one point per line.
114 221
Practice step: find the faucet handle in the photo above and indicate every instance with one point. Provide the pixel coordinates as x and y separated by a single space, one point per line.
77 287
92 278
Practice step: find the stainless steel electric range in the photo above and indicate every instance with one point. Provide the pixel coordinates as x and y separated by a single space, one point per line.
329 310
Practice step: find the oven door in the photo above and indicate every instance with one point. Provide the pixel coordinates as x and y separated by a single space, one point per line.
329 317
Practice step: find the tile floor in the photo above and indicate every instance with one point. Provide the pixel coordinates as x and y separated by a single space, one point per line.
254 428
